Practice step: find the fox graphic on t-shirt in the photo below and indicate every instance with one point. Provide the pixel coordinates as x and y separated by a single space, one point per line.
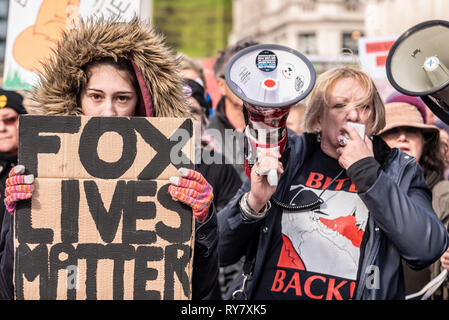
326 240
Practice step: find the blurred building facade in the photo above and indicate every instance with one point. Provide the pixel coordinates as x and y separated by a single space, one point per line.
321 29
325 30
394 17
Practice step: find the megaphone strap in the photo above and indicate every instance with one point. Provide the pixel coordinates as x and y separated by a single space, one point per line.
315 204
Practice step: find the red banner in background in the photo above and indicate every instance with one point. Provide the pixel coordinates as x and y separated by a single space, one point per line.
381 60
380 46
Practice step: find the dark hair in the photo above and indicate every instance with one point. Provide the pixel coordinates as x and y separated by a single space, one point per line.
227 54
121 64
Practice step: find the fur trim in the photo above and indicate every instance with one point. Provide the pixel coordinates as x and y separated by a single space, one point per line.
92 40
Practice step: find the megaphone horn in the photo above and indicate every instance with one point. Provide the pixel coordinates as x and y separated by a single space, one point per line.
270 79
418 62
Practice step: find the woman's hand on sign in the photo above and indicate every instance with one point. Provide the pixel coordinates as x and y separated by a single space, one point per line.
18 187
192 189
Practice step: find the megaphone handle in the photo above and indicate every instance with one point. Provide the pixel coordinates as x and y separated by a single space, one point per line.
272 178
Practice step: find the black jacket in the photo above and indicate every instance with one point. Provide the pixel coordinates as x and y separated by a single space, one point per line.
6 291
232 150
223 178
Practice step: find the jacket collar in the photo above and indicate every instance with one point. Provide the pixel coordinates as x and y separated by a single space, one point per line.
382 152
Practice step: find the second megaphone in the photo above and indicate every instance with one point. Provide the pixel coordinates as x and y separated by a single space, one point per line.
418 62
270 79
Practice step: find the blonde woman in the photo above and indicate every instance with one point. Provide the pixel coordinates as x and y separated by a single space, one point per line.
346 210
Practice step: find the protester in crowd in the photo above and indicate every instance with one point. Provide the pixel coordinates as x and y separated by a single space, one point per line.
445 263
229 114
444 140
191 69
406 130
225 132
295 118
427 114
442 205
110 68
11 106
221 176
346 209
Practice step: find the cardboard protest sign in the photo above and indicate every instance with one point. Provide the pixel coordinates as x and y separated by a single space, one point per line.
36 26
101 224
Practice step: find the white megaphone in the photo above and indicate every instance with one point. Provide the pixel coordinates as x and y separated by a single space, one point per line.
270 79
418 62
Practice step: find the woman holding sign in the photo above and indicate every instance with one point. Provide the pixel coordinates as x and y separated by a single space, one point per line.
110 68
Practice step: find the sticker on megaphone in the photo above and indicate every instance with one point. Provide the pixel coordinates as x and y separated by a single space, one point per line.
270 76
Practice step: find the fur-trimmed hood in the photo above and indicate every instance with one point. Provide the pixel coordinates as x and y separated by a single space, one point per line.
63 76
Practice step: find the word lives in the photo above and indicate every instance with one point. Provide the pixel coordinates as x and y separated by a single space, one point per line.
101 215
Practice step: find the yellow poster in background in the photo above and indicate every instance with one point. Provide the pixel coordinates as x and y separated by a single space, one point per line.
35 43
35 27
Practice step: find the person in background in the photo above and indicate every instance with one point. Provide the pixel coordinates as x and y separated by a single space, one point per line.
427 114
191 69
228 120
295 118
229 114
407 130
11 107
442 205
346 210
445 264
221 176
120 69
444 140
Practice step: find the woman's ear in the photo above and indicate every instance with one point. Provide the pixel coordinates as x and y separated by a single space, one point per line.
222 86
317 125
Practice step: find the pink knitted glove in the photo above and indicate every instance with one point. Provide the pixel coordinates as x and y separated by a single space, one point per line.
18 187
194 191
